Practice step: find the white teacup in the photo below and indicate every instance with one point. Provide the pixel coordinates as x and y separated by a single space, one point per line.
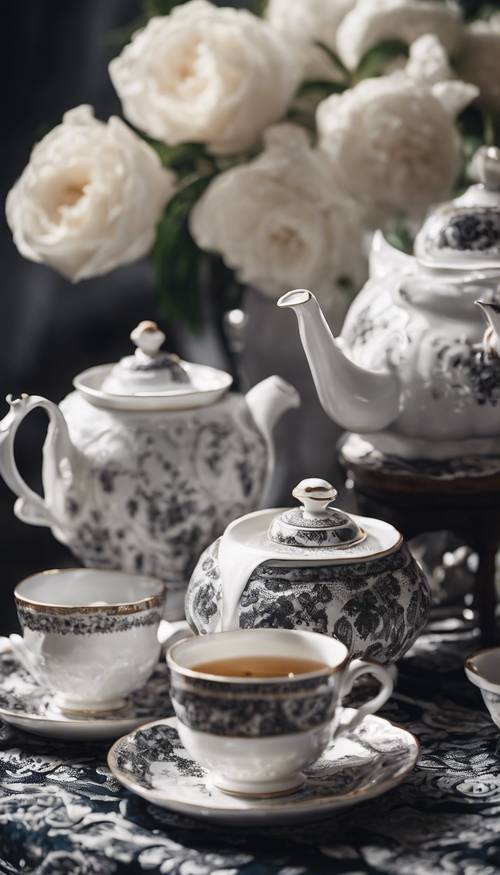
255 735
483 670
89 636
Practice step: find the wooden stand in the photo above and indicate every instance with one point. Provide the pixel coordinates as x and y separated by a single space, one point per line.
462 497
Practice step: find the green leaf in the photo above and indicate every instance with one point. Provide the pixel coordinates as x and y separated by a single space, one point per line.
488 129
400 236
258 7
319 86
334 58
160 7
175 256
186 159
374 62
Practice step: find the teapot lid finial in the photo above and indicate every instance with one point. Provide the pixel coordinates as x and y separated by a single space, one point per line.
149 370
147 337
315 524
485 167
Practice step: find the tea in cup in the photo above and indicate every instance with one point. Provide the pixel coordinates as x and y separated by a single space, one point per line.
89 636
257 706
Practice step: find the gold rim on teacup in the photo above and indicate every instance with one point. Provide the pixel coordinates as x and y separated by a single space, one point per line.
231 679
118 608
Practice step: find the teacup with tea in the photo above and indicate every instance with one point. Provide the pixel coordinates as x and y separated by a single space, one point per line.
257 706
90 636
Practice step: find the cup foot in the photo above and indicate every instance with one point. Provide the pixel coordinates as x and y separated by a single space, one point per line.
71 708
262 790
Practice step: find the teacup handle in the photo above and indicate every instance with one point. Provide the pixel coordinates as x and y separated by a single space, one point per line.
25 657
170 632
354 670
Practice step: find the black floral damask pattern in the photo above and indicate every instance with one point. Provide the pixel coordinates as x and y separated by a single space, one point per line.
476 232
61 811
150 501
86 624
376 608
258 712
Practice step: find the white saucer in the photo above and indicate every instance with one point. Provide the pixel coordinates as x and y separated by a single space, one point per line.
26 705
153 763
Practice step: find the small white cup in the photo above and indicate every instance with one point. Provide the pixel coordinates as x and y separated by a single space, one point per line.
89 636
255 736
483 670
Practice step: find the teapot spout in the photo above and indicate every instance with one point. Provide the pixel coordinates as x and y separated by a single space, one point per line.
358 399
268 401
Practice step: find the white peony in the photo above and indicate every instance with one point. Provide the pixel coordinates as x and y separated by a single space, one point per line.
278 221
428 61
392 142
375 21
428 64
479 61
205 75
305 23
90 197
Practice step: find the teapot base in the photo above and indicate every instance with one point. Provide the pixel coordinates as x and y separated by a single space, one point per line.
476 457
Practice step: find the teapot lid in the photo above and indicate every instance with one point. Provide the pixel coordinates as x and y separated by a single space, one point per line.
315 524
152 379
312 535
464 234
149 369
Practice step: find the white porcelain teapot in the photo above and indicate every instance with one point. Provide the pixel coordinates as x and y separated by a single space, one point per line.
413 369
312 567
148 460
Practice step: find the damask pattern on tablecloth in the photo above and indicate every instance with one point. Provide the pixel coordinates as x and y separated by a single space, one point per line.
62 812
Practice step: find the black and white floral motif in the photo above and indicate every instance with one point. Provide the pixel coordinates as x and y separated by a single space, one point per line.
76 623
377 608
255 710
153 490
466 370
60 805
477 231
377 752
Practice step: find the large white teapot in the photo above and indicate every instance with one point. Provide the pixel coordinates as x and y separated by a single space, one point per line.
413 369
149 460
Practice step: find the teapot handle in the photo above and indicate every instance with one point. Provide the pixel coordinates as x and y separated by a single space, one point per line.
31 507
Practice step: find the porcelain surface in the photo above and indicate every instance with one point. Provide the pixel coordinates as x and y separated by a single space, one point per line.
483 670
416 367
131 481
371 760
372 594
89 636
25 704
257 735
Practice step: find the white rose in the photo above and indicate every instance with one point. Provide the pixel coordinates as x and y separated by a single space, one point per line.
90 197
205 75
304 24
479 61
375 21
393 143
277 220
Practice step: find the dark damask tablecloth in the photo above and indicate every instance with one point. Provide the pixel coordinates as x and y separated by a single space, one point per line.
61 811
